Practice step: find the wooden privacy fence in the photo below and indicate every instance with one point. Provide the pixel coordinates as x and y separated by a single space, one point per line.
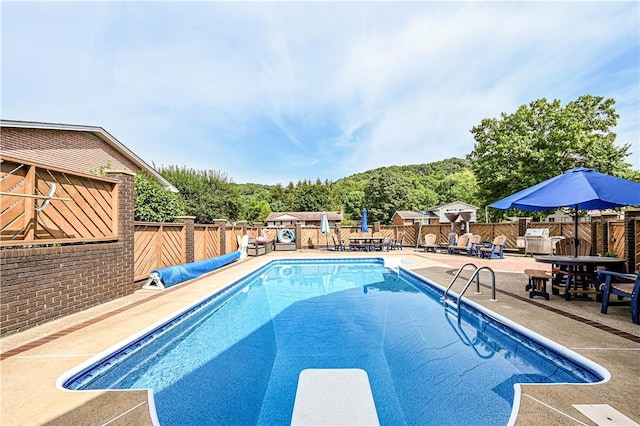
161 245
84 207
157 245
616 243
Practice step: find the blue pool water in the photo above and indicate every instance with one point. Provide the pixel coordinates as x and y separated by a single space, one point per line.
235 358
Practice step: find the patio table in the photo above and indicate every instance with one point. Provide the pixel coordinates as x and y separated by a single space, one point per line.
572 264
366 243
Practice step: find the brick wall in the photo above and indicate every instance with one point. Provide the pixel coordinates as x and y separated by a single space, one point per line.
67 149
39 285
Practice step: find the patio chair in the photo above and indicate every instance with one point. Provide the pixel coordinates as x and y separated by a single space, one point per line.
338 245
475 243
461 245
622 285
496 251
430 243
566 247
397 244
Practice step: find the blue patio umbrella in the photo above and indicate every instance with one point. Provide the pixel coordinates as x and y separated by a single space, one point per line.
580 188
324 227
364 228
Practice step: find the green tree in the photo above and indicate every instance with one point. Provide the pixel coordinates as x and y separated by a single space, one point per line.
460 186
312 197
257 211
208 195
385 193
153 203
542 140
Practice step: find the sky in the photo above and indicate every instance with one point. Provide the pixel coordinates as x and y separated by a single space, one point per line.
277 92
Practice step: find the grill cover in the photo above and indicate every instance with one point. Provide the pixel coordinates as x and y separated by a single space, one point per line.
536 240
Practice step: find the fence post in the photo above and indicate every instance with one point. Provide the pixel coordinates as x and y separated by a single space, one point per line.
222 228
189 237
125 219
606 218
298 236
595 248
243 226
630 234
523 224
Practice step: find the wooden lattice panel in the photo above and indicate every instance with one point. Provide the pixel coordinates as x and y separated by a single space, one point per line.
231 238
87 212
146 248
13 178
173 252
409 233
485 230
206 242
616 238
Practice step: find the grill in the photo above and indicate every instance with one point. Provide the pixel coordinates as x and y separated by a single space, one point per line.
537 241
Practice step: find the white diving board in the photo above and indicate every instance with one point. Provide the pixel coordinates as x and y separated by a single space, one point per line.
334 397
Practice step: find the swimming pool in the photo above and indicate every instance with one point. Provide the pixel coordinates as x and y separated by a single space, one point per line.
236 356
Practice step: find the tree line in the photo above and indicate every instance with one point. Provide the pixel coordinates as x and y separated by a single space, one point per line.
512 152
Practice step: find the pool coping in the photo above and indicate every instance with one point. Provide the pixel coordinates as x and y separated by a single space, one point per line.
41 402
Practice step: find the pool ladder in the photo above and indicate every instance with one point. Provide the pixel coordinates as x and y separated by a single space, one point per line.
454 303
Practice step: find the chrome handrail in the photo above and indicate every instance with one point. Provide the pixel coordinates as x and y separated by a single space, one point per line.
466 286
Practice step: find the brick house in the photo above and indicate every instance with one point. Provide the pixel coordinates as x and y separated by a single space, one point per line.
77 148
285 219
46 279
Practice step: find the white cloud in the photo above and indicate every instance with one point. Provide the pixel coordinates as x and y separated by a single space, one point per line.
327 88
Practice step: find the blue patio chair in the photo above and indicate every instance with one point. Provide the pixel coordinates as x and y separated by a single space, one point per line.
622 285
397 245
475 244
337 245
462 246
496 251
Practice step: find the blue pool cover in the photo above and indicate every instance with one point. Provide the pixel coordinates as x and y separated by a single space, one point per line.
176 274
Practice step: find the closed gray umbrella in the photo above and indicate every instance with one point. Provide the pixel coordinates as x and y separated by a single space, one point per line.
324 227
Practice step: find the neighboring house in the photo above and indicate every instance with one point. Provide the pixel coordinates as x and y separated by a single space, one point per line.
435 214
408 217
285 219
455 207
562 216
84 149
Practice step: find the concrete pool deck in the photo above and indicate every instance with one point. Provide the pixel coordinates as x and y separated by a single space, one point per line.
33 360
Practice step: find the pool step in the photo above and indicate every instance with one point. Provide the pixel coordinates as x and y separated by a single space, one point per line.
334 397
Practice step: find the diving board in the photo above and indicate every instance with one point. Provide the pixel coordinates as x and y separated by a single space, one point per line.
334 397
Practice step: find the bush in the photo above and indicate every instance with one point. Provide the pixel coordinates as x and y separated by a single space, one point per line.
153 203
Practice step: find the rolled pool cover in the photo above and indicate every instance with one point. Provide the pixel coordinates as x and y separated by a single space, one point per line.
172 275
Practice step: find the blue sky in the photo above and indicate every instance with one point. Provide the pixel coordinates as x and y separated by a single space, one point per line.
270 92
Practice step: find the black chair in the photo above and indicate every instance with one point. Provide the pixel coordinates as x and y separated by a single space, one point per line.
337 245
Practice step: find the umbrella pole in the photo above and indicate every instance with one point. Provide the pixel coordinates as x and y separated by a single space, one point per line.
576 240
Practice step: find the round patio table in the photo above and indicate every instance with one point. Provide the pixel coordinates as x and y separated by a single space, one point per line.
573 264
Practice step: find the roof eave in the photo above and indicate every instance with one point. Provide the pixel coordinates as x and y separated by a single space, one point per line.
99 132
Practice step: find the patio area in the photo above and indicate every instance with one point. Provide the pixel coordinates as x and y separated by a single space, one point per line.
32 361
